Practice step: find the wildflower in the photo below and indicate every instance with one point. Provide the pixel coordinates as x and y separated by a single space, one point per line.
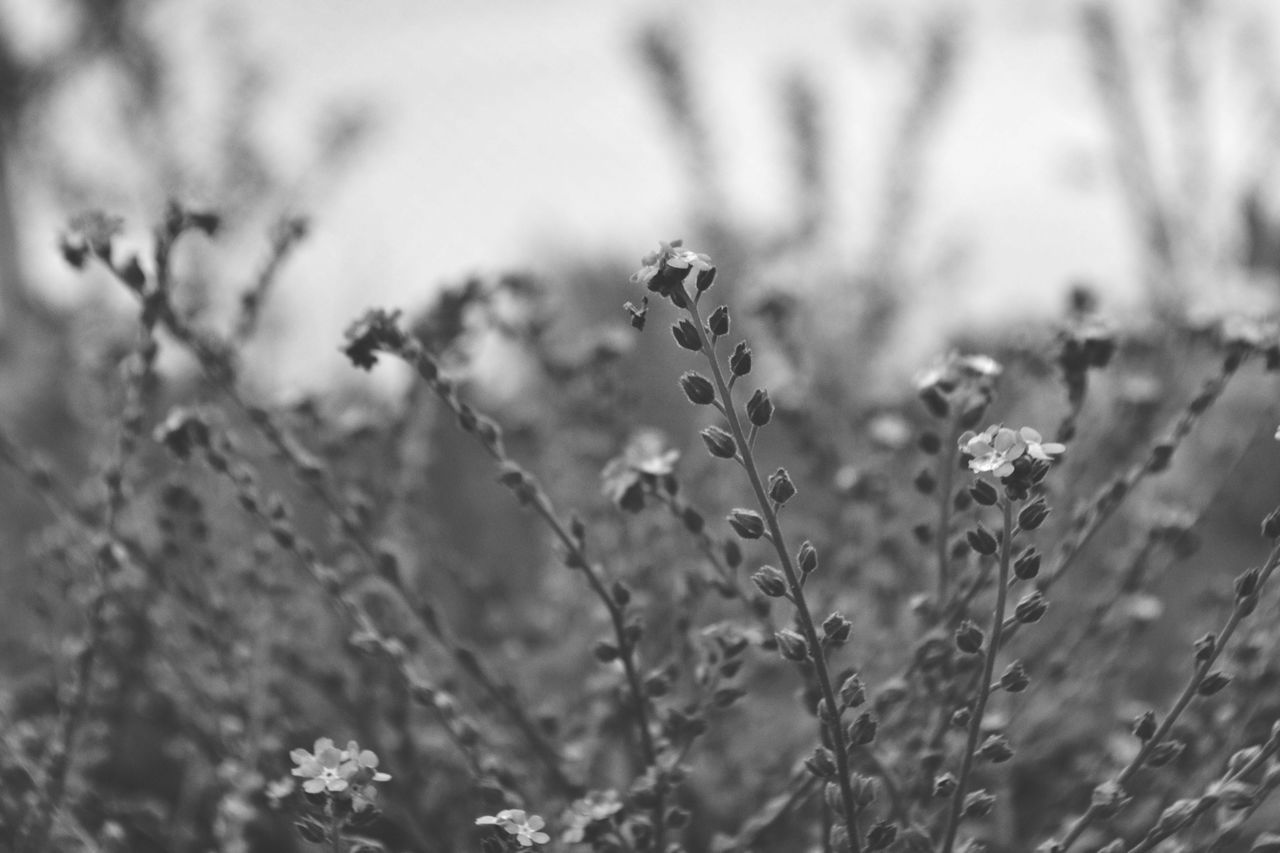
323 769
996 449
526 828
665 270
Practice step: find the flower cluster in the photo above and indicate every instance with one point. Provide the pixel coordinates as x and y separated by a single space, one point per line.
997 448
526 828
349 772
663 272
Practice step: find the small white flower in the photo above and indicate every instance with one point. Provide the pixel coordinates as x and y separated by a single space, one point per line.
526 828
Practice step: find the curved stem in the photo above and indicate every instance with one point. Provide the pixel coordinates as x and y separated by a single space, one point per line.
769 511
984 686
1189 692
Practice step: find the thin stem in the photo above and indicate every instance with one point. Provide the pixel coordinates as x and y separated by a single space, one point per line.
767 509
984 685
1238 612
946 479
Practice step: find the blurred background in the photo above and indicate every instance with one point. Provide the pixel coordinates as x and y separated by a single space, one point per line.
977 158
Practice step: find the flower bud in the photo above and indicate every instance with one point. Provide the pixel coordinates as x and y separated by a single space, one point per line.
984 493
996 749
697 388
1033 514
929 442
862 731
1027 566
944 785
781 489
1031 608
978 804
969 638
982 540
882 834
746 523
740 361
822 763
925 482
1205 647
1164 752
791 645
605 652
807 558
760 408
719 443
1015 678
718 322
770 582
705 279
853 693
1144 725
686 335
837 629
864 790
1108 798
732 553
1271 524
1212 683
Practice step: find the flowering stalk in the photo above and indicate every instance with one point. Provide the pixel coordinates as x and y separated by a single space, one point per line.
984 685
795 589
1245 602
